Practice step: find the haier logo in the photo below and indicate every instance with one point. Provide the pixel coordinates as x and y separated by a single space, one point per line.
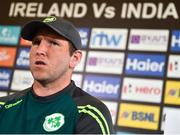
9 34
110 62
175 41
144 64
138 116
150 40
102 86
174 66
150 90
23 58
104 38
84 34
172 92
5 75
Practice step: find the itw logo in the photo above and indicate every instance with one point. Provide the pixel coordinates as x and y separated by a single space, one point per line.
105 39
108 38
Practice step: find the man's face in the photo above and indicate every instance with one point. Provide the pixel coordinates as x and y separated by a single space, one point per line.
49 57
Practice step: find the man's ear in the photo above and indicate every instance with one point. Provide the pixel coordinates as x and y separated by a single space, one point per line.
75 58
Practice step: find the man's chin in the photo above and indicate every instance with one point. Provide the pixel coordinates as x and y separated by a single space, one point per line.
40 78
42 81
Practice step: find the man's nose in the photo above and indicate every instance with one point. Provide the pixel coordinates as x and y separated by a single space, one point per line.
42 48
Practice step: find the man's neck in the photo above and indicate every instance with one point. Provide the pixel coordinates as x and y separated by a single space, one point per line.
42 89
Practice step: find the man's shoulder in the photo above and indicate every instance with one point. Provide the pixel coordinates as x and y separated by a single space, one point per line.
14 96
92 112
83 98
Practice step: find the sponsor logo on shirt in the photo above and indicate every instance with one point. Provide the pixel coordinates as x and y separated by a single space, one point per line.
104 87
7 106
150 90
175 41
138 116
106 38
9 35
148 40
145 64
110 62
7 56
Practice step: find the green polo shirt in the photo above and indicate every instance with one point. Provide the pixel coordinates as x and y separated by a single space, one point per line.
69 111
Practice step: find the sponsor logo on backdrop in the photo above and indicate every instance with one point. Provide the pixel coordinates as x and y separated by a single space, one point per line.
148 40
9 34
112 106
77 78
84 34
163 118
110 62
21 79
138 116
104 87
80 66
7 56
174 66
150 90
106 38
24 42
5 75
145 64
172 92
175 41
22 60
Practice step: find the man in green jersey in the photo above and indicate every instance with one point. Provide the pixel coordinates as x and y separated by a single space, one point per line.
54 104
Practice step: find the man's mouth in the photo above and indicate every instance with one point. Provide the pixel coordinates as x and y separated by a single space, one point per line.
40 63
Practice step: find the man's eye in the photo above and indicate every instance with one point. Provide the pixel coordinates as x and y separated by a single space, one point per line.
53 43
36 42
